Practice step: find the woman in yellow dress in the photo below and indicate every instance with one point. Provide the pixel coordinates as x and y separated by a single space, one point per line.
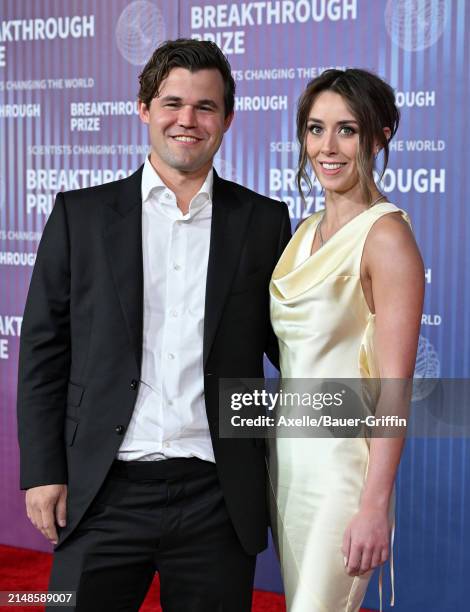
346 302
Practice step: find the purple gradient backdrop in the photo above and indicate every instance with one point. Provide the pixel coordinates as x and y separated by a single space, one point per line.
433 512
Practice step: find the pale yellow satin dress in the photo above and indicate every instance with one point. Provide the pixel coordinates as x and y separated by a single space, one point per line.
325 330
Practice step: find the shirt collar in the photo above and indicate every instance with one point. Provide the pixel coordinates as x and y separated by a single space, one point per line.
151 181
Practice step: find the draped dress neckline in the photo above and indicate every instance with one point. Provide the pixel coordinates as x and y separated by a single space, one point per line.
298 269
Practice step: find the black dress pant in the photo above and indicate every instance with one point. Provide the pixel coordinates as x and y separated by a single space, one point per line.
162 516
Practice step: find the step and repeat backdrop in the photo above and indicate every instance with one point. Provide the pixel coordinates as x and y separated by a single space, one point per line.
68 119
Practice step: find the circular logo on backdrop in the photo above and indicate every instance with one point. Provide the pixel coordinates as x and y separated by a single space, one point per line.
414 25
140 29
427 370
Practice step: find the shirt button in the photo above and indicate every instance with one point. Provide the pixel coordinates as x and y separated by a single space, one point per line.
119 429
174 313
171 356
166 444
170 402
134 384
176 266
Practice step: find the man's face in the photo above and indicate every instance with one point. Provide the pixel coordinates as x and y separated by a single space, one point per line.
186 120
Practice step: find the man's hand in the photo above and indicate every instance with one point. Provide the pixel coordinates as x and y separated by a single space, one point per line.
46 506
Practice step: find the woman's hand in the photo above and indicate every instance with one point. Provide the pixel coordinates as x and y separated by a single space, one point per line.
366 541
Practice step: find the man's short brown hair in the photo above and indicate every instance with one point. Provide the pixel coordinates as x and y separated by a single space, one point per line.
193 55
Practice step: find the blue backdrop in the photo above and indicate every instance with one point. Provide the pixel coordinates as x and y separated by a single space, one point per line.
68 83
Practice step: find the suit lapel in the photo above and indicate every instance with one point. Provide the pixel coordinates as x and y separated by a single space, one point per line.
230 218
123 239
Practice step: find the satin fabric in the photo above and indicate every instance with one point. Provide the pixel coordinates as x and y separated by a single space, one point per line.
325 330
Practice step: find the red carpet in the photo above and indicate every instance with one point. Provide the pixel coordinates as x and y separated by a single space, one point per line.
28 570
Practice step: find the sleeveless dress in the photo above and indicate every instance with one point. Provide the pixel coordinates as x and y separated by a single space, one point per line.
325 330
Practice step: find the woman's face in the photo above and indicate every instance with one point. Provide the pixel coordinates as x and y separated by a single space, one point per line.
333 143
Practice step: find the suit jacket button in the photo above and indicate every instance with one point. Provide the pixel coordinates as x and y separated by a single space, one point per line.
134 384
119 429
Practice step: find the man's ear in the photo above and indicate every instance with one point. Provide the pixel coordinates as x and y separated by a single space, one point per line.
228 121
143 112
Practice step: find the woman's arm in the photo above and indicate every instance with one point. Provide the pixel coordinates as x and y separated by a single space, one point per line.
394 270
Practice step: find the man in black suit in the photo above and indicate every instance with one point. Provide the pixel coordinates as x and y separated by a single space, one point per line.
146 292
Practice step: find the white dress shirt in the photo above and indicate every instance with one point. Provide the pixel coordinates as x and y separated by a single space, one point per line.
169 418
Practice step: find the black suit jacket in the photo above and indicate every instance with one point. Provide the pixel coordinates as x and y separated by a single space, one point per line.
81 340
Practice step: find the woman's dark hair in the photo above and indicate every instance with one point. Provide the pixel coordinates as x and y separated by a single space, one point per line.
372 102
186 53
